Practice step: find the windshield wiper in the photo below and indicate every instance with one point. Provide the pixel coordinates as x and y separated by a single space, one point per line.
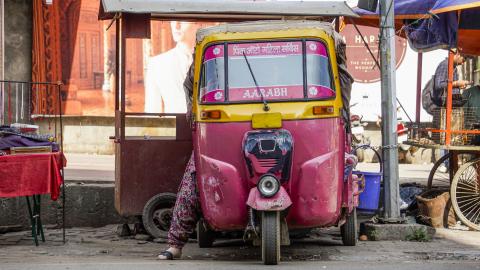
264 101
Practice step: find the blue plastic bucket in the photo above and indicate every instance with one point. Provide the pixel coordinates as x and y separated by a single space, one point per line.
369 198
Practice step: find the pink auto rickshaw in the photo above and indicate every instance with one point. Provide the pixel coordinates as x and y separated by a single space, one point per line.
269 132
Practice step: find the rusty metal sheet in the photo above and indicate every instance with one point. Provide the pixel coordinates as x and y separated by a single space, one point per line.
137 26
145 168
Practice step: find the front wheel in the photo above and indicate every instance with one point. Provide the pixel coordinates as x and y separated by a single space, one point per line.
271 237
349 229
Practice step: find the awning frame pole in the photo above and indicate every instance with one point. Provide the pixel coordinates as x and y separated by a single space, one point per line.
419 87
448 120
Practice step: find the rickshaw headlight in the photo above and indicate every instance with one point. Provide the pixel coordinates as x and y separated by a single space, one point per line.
268 185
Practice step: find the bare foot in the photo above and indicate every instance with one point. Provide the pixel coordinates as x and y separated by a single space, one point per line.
176 253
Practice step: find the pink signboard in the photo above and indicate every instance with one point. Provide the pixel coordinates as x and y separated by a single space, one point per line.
269 93
360 63
265 49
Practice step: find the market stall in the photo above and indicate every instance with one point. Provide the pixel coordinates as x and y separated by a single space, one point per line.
31 158
450 25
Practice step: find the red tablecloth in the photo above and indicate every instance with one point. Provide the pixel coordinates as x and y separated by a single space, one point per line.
31 174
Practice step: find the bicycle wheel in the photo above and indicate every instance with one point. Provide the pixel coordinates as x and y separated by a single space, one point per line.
465 194
438 178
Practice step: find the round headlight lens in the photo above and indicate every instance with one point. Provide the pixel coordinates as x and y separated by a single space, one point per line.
268 186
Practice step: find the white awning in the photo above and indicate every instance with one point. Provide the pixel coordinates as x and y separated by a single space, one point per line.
227 10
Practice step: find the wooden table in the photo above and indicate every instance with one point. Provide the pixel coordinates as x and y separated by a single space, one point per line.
29 176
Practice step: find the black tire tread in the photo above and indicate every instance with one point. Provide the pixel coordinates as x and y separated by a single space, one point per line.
147 218
349 229
270 237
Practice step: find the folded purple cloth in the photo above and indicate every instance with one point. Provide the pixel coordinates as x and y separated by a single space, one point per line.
11 140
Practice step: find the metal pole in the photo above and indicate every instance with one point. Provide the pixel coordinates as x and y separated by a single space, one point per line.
64 185
389 111
448 119
419 87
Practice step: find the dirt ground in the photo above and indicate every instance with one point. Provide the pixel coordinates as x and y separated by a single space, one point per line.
322 245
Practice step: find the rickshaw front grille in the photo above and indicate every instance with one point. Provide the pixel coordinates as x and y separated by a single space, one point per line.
268 151
269 162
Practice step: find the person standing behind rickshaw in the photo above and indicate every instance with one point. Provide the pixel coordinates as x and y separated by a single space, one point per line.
440 92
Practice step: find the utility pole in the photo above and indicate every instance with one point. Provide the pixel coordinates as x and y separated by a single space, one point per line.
389 111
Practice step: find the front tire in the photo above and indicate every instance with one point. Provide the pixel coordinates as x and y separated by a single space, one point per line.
349 229
271 237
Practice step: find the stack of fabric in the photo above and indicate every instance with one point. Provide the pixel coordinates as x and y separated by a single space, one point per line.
11 136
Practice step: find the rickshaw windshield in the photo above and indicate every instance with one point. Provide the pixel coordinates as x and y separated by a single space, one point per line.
284 70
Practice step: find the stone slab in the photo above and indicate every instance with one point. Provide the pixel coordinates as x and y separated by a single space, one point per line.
392 232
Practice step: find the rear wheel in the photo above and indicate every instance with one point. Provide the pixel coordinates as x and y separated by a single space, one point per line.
270 237
157 214
349 229
205 237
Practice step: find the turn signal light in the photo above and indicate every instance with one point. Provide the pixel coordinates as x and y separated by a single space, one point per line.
323 110
204 115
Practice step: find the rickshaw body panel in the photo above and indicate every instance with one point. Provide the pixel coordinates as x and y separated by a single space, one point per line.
315 186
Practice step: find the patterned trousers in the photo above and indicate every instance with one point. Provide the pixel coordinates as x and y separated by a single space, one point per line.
186 212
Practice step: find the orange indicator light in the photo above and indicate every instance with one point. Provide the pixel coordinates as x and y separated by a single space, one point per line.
323 110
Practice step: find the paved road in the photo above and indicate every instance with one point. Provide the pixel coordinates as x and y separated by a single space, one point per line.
83 167
213 265
102 249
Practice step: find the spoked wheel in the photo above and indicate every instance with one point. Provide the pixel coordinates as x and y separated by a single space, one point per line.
465 194
157 214
439 178
270 237
349 229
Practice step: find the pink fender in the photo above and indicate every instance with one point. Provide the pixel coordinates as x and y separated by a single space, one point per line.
279 202
352 189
